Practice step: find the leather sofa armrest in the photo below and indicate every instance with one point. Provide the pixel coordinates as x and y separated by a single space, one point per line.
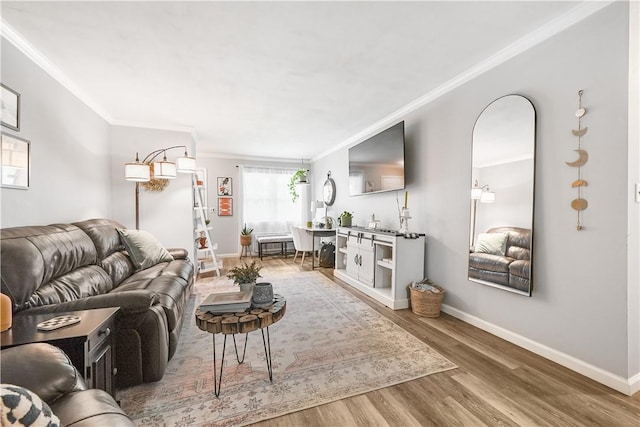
178 253
134 301
42 368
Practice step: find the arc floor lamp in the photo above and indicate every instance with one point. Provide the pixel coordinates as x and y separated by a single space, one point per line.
144 172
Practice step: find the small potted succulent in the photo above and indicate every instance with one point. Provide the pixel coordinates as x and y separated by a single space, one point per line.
345 219
245 275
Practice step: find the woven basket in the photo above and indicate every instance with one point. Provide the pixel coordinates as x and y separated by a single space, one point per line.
426 303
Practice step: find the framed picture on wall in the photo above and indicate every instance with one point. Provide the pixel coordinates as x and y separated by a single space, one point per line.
10 108
225 206
224 186
15 160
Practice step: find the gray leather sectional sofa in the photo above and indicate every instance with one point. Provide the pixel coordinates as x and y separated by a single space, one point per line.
65 267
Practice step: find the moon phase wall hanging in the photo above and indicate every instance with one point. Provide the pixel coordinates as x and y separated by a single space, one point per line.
579 204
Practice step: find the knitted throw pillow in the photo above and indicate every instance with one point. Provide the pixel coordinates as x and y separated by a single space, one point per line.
21 407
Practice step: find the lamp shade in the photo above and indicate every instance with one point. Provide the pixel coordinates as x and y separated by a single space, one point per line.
186 164
136 171
488 197
164 170
315 204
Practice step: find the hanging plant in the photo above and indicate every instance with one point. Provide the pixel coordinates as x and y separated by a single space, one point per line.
299 176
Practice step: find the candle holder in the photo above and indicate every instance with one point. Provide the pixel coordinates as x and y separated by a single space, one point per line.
404 220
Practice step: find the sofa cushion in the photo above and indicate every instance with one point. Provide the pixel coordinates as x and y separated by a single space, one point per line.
492 243
78 284
48 251
118 266
22 407
42 368
169 282
489 262
144 249
91 407
104 234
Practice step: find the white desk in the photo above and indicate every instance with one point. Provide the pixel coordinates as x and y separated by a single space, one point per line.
318 232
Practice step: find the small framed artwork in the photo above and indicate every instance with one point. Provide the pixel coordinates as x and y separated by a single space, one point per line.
225 206
10 108
15 162
224 186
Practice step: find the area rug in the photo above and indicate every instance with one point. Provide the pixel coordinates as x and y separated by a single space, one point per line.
329 346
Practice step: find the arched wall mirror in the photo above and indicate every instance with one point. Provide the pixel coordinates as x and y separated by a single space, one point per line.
501 194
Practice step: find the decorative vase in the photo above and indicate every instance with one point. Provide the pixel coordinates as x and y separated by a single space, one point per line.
262 295
6 312
203 242
247 287
245 239
346 221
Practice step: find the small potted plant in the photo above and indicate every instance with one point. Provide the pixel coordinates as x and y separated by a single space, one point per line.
245 236
345 219
299 176
245 275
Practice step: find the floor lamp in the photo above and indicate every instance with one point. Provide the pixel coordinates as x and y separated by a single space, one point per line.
143 172
484 195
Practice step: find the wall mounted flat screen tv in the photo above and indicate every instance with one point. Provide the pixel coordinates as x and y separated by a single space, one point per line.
377 163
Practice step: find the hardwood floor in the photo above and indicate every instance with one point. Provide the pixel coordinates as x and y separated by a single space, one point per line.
496 383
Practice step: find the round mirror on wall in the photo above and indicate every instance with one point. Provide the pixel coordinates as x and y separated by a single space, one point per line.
329 190
502 195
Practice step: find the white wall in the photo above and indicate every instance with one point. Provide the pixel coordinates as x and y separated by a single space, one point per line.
168 215
226 229
579 304
70 163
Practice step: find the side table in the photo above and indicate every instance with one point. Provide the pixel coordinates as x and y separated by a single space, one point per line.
250 320
89 343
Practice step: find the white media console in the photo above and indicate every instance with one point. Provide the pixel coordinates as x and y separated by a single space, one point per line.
380 263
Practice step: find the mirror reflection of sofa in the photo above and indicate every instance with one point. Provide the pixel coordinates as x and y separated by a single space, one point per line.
502 255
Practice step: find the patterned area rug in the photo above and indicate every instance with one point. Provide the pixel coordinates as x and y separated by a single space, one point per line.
329 346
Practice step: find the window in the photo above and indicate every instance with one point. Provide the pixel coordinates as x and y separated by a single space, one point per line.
267 206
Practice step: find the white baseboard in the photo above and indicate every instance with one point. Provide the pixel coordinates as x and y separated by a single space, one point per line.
627 386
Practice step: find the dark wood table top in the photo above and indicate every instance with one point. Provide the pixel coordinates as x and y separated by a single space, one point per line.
249 320
24 329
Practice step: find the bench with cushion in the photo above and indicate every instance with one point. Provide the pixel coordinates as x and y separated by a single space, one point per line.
283 240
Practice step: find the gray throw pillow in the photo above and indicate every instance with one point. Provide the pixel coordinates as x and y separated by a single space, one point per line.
492 243
144 249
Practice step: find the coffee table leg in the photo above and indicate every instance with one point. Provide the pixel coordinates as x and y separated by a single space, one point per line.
267 352
217 383
246 338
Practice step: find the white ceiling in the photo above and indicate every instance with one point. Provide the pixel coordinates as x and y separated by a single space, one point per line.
267 79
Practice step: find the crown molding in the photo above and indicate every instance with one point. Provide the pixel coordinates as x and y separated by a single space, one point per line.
173 128
546 31
13 37
247 158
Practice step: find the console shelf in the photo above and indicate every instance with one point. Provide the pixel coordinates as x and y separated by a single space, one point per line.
379 263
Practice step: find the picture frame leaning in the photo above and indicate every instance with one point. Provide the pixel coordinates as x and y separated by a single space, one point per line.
9 108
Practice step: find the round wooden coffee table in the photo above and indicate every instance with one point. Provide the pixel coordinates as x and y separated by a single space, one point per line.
250 320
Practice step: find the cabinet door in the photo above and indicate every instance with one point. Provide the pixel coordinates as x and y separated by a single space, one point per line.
353 256
367 263
101 375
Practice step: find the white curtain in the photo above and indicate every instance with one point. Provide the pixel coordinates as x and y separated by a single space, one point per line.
266 204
